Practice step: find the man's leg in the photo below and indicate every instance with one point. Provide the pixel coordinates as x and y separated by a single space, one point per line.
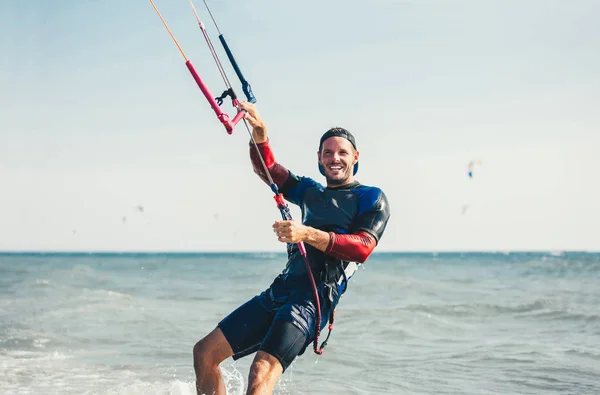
264 373
282 344
239 334
208 354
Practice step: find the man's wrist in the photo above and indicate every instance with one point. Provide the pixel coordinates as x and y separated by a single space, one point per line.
317 238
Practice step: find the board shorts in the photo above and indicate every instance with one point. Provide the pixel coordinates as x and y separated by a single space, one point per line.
279 321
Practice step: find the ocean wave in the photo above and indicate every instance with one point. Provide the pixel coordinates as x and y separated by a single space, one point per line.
103 294
23 342
583 353
17 336
558 266
539 309
476 309
565 315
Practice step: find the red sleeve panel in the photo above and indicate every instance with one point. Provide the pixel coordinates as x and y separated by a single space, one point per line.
279 173
352 247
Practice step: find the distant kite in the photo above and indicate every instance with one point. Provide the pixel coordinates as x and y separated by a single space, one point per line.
464 209
471 167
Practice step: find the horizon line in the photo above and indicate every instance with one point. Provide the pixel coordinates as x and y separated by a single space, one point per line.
216 252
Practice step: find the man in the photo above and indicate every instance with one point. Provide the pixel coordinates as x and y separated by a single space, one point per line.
342 224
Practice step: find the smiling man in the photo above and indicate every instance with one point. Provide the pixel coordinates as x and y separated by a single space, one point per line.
342 223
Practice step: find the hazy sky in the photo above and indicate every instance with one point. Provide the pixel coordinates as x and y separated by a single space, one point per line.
99 115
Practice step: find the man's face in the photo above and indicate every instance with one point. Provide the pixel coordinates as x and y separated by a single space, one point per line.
338 157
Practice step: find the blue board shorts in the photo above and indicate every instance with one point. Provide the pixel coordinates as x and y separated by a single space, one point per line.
279 321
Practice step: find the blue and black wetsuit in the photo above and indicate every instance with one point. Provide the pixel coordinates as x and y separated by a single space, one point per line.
281 320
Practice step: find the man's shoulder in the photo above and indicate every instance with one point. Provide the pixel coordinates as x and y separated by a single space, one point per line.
296 186
308 182
368 192
362 188
369 197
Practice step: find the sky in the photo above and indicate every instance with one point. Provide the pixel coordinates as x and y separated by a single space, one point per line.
99 115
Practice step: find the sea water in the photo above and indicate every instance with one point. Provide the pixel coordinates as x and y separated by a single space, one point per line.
410 323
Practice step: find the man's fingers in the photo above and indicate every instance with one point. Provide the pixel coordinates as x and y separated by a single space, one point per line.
250 112
251 119
284 231
250 109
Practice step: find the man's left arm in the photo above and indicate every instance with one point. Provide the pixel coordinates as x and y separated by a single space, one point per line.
350 247
357 246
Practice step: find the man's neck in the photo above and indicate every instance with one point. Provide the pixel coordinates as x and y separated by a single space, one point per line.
347 184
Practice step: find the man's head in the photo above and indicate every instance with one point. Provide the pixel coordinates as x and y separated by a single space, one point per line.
338 156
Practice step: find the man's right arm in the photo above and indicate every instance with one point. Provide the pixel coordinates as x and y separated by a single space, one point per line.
278 173
262 152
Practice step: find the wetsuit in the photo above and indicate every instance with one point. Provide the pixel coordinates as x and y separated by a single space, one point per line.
281 320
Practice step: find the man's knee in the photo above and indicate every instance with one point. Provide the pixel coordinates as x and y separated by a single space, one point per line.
264 363
211 350
202 353
264 371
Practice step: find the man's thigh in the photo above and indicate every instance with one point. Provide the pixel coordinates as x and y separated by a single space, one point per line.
246 327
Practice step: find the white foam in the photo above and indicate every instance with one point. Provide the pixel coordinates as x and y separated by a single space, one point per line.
138 387
234 381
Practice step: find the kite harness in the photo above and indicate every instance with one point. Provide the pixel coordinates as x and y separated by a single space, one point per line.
230 124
